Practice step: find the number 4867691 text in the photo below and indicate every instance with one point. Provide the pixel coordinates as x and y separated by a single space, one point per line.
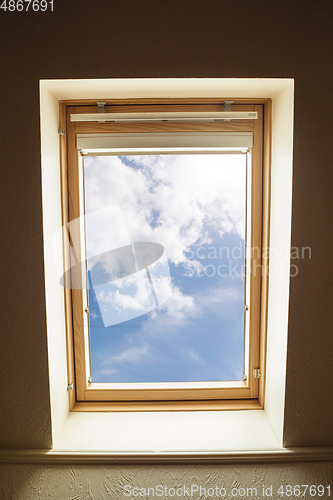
25 5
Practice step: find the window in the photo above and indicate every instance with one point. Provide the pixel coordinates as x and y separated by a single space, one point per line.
151 161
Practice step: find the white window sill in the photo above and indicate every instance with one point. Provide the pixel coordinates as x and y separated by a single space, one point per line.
165 432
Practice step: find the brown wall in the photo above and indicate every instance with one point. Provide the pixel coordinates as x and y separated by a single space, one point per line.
188 38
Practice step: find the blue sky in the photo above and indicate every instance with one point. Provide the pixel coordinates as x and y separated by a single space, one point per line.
192 205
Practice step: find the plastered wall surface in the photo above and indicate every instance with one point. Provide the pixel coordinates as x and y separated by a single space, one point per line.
129 39
103 482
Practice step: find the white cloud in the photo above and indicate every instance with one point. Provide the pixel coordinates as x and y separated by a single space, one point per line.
195 356
125 299
179 306
108 371
133 354
176 201
105 230
220 299
164 325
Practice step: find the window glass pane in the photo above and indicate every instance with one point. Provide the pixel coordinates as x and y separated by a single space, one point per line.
165 237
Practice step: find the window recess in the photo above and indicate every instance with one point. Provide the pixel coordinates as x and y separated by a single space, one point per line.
165 278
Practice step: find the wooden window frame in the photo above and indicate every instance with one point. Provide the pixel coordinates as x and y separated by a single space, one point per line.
243 395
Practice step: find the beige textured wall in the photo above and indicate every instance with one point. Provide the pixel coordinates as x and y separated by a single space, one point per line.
23 482
189 38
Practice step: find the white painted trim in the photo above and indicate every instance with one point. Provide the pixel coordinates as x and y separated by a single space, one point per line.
96 457
131 433
128 88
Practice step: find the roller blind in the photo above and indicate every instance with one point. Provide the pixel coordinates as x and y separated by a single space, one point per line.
195 141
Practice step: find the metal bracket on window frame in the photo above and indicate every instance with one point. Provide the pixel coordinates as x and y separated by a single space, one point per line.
101 106
227 105
227 108
256 373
